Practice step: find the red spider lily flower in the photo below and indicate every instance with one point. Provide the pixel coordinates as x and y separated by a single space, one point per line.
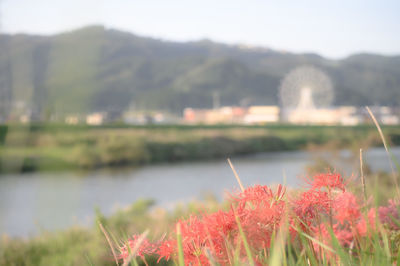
371 217
327 180
346 207
202 236
220 223
321 233
389 214
167 249
145 248
194 241
220 228
344 235
257 195
280 192
194 255
254 195
362 226
194 238
260 211
261 221
311 206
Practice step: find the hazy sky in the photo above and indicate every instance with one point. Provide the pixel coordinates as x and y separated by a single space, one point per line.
333 28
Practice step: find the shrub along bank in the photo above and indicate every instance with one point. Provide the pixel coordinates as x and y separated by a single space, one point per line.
60 147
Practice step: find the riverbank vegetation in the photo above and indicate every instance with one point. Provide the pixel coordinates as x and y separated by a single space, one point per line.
327 221
60 147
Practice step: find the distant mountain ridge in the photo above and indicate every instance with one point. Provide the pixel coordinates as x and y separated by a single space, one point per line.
98 69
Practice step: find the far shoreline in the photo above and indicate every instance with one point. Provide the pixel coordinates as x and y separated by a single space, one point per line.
60 147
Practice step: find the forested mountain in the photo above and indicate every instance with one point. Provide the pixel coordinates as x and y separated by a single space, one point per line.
98 69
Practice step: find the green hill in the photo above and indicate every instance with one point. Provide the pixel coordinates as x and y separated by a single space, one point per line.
98 69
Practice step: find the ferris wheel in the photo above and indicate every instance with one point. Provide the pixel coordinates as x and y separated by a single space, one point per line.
306 87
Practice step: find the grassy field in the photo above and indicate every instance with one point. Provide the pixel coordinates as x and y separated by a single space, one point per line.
61 147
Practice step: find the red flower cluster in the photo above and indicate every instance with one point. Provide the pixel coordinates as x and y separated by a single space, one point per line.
328 181
263 212
143 248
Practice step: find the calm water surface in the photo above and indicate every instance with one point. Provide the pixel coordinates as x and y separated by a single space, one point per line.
33 202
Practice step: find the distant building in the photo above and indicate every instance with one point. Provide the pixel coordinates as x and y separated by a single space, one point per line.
341 115
232 114
262 114
227 114
143 118
344 115
350 120
163 118
387 116
390 120
349 116
384 114
96 119
191 115
313 116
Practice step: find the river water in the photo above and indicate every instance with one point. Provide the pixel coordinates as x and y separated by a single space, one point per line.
33 202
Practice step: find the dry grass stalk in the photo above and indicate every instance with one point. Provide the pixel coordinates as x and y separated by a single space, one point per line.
109 243
236 175
136 248
362 176
386 148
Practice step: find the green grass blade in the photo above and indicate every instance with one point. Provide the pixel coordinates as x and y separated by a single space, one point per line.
345 258
278 256
245 243
181 259
236 256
